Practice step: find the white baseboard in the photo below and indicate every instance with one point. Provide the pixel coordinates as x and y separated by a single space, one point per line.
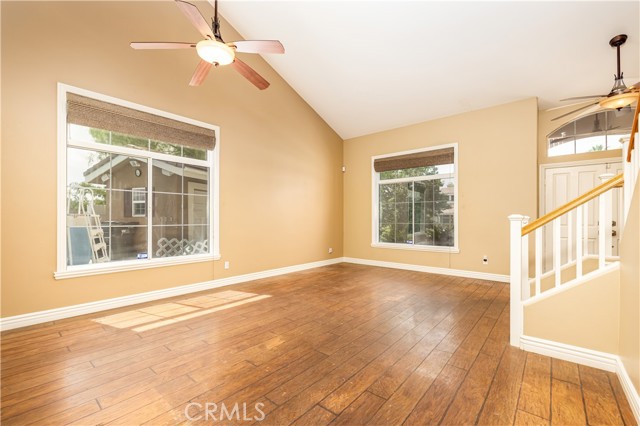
629 390
24 320
602 360
588 357
430 269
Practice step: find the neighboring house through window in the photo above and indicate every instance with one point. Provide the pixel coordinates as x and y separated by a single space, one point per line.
137 186
138 202
415 199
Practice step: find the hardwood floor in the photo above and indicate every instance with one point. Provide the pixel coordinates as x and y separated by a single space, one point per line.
339 345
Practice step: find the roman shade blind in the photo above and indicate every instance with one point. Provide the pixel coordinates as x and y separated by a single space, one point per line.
107 116
419 159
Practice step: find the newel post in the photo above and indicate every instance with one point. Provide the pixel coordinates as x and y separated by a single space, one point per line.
519 276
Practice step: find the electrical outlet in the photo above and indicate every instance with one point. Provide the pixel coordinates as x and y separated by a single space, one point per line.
485 260
330 250
226 264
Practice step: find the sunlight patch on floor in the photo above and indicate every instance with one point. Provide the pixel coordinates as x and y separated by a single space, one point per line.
162 314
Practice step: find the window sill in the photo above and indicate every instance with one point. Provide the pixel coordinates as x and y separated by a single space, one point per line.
131 265
434 249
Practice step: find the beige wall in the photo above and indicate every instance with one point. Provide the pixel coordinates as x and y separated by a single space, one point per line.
281 183
497 177
584 316
630 291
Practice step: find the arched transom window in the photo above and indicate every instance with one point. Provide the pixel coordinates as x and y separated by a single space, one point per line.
601 131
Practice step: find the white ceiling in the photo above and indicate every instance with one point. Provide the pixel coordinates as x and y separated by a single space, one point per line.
368 66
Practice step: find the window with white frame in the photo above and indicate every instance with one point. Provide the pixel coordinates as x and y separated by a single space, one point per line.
137 186
138 202
600 131
415 199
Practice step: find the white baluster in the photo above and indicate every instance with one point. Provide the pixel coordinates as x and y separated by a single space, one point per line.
569 236
601 230
604 225
526 287
579 241
556 251
586 229
538 259
519 251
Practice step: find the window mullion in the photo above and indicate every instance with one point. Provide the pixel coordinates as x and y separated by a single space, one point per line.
413 213
133 152
149 208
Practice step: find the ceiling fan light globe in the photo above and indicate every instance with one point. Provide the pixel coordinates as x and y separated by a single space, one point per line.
619 101
215 52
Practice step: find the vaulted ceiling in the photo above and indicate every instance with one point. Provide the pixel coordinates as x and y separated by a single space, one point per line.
368 66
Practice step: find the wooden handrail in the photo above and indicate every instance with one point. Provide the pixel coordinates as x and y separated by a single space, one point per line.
634 129
587 196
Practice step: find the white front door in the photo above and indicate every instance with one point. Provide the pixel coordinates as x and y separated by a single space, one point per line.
563 184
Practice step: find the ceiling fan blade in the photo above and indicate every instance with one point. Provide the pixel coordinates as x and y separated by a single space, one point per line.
634 87
195 17
574 111
583 97
200 73
250 74
258 46
161 45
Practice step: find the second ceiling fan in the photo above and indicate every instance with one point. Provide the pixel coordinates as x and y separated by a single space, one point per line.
619 96
213 50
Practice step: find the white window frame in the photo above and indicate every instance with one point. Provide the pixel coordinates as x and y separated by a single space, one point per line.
134 202
212 162
375 179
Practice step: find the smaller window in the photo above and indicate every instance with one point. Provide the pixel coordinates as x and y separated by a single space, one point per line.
415 200
602 131
139 202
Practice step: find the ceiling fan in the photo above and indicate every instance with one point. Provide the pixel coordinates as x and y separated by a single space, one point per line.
619 96
213 50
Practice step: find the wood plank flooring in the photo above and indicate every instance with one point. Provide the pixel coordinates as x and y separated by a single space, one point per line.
340 345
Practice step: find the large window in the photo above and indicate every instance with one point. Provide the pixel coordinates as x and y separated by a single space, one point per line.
601 131
415 199
137 186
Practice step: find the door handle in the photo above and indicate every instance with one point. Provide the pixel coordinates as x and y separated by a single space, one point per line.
613 233
613 223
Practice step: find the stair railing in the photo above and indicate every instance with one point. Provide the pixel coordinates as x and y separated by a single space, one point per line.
632 165
573 255
582 258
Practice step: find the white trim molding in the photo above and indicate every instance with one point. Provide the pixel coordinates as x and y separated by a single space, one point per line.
39 317
25 320
602 360
629 389
430 269
614 266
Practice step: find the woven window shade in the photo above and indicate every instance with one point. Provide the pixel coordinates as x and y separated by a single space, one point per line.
107 116
418 159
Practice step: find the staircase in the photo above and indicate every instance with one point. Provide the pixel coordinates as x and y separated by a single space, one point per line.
579 300
572 262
